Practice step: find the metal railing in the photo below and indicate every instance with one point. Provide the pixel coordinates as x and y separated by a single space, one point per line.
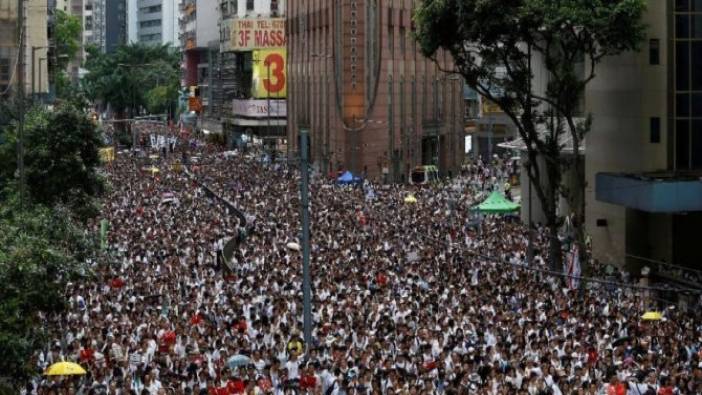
685 275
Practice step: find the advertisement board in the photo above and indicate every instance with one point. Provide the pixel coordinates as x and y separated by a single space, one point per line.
269 73
259 108
248 34
489 107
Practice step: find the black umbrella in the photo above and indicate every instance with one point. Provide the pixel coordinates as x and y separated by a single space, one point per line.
621 341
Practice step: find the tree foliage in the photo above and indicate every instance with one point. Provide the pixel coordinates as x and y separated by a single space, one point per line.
68 40
498 44
41 249
61 159
125 78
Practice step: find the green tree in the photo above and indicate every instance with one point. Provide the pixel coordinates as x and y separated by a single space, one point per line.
68 38
126 77
61 159
41 250
496 44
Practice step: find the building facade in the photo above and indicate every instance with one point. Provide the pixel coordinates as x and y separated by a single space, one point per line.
373 104
644 153
153 22
241 92
28 27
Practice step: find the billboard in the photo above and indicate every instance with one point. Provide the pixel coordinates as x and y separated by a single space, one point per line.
248 33
269 74
259 108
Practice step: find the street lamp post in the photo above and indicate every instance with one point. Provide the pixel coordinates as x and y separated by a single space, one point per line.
132 109
306 276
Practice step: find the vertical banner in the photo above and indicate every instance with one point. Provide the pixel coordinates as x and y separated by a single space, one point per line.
269 74
573 267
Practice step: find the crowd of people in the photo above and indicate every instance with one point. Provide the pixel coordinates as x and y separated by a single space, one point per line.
407 298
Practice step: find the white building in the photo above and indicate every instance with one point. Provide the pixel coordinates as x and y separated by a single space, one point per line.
153 21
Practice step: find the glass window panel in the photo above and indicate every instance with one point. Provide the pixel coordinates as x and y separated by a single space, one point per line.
695 5
696 144
682 5
696 26
696 65
696 110
682 105
682 26
682 144
682 66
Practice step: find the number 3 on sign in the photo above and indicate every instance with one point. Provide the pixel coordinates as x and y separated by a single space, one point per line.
275 64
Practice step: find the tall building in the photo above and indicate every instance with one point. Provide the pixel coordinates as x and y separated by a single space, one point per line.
199 42
644 153
153 21
32 31
240 97
373 104
105 23
115 27
9 39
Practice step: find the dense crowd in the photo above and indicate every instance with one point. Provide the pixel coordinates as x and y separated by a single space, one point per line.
408 299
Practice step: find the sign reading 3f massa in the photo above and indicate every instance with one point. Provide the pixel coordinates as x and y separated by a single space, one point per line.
248 34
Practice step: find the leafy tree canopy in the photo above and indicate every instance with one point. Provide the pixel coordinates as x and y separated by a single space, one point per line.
498 44
124 77
41 249
61 159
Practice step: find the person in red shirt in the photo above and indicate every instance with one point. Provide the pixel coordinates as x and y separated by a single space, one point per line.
235 386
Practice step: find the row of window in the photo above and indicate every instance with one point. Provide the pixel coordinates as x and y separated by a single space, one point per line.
687 123
232 6
150 37
151 9
152 23
4 69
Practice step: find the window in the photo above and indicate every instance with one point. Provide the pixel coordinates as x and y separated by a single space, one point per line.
249 5
151 10
152 23
655 130
402 40
391 39
686 136
88 23
4 69
654 56
274 6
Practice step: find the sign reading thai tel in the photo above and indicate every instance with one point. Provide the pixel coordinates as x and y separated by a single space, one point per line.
248 34
259 108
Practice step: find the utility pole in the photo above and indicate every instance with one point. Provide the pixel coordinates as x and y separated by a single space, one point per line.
20 96
268 105
304 201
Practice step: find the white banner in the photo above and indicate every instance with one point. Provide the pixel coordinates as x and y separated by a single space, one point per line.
259 108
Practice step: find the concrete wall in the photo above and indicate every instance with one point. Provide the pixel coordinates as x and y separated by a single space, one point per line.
36 25
625 94
207 29
132 21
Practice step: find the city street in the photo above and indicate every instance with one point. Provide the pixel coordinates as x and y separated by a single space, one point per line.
406 298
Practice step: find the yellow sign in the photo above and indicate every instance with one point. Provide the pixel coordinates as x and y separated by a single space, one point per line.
248 34
107 154
269 74
489 107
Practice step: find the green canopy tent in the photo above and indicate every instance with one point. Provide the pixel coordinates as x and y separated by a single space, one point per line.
496 203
